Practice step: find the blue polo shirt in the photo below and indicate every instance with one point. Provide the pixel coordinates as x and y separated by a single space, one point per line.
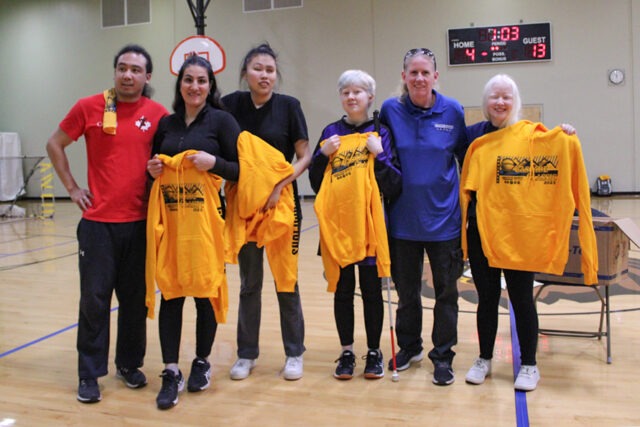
430 143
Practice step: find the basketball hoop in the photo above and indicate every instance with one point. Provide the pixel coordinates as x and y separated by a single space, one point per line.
203 46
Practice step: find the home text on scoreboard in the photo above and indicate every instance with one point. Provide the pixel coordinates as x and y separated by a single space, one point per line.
500 44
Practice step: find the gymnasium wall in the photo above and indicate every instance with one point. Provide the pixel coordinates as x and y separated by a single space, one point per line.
54 52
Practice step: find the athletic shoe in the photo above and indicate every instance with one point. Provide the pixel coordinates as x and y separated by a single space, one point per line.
346 364
133 378
242 368
88 390
375 365
528 378
405 358
293 368
479 371
442 373
172 384
200 376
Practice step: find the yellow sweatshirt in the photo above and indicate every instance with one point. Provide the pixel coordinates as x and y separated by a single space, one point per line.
277 230
349 211
185 250
528 182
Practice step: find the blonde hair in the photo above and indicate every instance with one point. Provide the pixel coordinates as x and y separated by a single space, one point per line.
408 57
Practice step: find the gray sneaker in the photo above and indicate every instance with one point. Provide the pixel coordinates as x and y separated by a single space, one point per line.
528 378
242 368
479 371
293 368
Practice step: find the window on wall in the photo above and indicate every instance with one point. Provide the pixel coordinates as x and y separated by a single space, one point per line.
117 13
262 5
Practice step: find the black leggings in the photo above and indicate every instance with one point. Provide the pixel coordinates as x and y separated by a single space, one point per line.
520 289
371 289
170 325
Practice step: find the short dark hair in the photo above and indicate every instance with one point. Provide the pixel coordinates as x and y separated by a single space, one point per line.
134 48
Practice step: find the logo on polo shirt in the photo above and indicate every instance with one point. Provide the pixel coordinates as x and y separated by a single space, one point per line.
443 127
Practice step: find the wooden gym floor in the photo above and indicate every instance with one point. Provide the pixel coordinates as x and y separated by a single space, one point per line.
38 315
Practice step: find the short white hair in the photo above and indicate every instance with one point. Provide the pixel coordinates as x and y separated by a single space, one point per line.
514 114
357 78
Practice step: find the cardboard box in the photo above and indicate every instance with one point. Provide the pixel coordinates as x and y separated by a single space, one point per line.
613 238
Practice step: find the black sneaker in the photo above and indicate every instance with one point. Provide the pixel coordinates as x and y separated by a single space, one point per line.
172 384
133 378
442 373
200 376
88 390
405 358
346 364
375 365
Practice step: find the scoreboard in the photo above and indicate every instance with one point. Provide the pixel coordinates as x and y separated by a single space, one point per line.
500 44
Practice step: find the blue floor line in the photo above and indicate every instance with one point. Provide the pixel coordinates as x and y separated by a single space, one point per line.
53 334
522 414
28 251
36 341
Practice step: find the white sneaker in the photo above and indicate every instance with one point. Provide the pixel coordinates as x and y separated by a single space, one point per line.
528 378
293 368
242 368
479 371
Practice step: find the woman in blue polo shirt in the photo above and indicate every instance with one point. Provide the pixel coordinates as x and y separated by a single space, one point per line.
430 136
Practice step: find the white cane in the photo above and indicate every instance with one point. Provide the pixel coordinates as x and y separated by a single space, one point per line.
394 377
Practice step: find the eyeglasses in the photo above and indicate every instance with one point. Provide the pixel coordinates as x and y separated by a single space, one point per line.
420 51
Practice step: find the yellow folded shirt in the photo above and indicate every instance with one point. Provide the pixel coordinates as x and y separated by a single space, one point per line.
109 120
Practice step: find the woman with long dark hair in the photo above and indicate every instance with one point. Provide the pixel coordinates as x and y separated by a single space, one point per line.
200 124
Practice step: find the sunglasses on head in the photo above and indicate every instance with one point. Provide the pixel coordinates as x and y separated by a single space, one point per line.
420 51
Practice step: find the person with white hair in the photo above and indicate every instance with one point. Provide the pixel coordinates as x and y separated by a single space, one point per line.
501 106
344 148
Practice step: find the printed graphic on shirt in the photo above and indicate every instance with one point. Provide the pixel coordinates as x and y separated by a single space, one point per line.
344 161
189 196
295 241
514 169
143 124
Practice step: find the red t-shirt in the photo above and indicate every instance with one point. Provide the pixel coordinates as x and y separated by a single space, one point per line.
116 163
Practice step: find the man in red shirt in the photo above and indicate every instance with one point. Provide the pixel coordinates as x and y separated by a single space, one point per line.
111 233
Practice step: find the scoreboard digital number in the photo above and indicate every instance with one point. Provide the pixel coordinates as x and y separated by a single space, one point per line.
500 44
